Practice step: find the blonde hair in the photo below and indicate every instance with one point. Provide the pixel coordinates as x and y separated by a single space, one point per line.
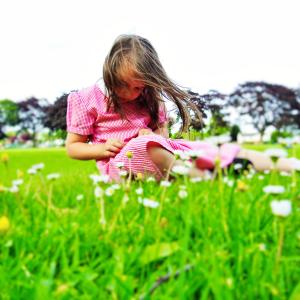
134 56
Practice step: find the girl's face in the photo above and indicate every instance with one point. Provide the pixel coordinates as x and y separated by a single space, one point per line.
131 90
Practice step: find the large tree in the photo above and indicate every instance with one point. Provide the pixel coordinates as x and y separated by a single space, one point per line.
214 104
8 115
267 104
56 114
31 115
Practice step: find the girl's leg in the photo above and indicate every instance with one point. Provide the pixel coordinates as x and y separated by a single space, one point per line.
263 162
165 160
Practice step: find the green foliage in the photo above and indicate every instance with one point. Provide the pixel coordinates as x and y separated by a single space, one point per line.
56 248
276 134
8 112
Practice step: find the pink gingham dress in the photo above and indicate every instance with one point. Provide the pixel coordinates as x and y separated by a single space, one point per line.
86 115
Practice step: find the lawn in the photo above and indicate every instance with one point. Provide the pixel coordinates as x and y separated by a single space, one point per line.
68 238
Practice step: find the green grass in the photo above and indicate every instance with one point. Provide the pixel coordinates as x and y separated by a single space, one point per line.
227 238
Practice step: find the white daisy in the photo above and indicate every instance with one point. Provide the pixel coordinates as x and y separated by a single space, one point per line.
182 194
38 166
79 197
98 192
274 189
148 202
53 176
109 191
123 173
165 183
276 152
281 208
17 182
139 191
119 164
181 170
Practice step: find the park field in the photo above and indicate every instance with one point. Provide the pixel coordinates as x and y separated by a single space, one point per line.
64 235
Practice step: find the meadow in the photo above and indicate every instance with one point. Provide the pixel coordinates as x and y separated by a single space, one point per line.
67 235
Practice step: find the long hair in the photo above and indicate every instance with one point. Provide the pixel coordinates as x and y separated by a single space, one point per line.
135 56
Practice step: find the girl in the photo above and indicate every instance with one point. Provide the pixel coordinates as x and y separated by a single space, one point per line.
129 116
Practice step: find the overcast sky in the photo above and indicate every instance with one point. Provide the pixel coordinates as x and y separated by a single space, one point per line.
53 46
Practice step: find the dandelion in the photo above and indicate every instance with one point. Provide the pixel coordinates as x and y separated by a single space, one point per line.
109 191
2 188
20 173
139 191
182 194
148 202
17 182
4 158
4 224
165 183
274 189
79 197
53 176
181 170
164 222
242 186
129 154
139 176
281 208
98 192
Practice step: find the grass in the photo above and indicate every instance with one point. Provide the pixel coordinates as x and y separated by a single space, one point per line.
220 242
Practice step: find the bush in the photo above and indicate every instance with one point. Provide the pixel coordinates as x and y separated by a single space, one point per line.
276 134
234 131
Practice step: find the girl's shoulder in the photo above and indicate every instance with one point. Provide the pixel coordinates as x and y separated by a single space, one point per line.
92 96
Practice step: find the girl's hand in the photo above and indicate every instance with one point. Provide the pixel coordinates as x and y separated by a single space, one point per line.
145 131
112 147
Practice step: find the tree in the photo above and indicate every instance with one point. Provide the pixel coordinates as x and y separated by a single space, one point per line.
31 115
8 115
55 118
267 104
213 103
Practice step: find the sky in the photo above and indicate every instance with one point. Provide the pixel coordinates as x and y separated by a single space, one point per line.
49 47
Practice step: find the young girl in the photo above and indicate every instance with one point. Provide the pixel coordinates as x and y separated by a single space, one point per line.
129 116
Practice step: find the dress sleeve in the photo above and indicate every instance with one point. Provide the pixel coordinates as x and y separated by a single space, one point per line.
79 118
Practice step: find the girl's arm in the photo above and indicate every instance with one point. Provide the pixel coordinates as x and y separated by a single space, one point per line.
78 148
